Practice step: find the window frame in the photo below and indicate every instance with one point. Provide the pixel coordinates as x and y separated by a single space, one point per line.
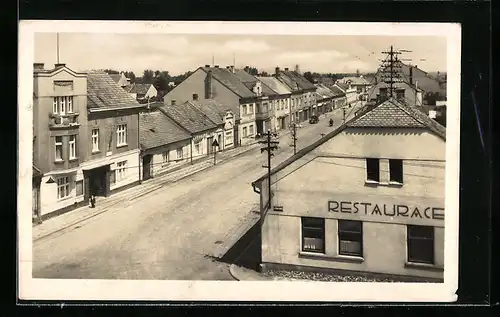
120 171
310 227
429 239
64 186
121 130
373 160
343 231
394 180
250 130
245 132
181 151
95 145
165 157
60 144
69 104
72 147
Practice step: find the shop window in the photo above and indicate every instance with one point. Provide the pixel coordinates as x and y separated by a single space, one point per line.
420 244
350 238
396 170
313 235
63 187
373 169
180 153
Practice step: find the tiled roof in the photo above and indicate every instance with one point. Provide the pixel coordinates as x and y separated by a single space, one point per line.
342 86
140 89
337 92
388 109
323 91
355 80
156 129
103 92
189 117
249 81
116 77
214 110
276 85
226 77
394 113
294 81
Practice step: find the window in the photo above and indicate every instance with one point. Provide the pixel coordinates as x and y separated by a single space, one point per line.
420 244
79 188
95 140
121 135
245 133
400 94
59 148
250 109
121 171
62 105
62 187
350 238
165 157
372 169
250 129
197 147
313 235
112 178
72 147
396 170
180 153
244 109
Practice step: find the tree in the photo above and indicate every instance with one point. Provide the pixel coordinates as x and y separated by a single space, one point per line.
130 75
148 76
111 71
251 70
309 77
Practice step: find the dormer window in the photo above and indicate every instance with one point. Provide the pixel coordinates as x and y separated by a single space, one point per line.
400 94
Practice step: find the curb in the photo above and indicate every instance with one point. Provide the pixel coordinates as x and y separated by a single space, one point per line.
231 272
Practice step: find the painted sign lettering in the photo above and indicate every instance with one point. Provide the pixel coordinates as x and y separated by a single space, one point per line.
365 208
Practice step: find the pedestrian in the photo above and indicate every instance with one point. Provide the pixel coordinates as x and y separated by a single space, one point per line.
92 201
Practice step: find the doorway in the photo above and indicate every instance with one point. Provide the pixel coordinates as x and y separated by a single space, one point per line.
146 167
219 140
99 181
210 148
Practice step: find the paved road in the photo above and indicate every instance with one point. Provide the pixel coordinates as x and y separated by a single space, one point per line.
172 233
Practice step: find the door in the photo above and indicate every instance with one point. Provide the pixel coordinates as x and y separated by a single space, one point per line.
146 167
210 148
236 140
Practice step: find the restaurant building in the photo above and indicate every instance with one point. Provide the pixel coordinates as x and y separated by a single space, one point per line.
366 199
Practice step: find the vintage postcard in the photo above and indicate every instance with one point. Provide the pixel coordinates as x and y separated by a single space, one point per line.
231 161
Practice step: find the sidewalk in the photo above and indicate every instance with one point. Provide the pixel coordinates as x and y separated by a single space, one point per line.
67 220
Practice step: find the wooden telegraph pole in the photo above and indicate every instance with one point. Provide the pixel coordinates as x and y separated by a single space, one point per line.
294 136
270 146
215 144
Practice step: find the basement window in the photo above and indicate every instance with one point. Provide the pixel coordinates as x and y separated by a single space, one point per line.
373 170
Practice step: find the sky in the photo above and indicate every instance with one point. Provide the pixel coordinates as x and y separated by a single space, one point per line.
179 53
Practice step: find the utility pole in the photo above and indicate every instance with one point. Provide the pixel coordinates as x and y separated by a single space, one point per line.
270 146
393 65
294 136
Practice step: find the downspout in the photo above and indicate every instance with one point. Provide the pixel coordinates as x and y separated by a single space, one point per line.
191 150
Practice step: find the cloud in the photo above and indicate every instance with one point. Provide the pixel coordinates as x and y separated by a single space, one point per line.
246 46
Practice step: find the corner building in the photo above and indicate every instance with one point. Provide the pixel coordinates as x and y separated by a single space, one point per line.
367 199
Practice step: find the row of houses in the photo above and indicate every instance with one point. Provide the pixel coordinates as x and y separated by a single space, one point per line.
91 137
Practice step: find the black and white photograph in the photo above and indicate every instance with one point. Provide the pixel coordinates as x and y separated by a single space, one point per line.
269 161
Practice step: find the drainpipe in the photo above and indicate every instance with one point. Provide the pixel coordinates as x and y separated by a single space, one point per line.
191 150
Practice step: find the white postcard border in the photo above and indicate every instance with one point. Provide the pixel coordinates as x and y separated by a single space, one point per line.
136 290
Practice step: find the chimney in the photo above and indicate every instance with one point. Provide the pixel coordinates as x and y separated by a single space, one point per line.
277 71
208 85
216 66
195 97
232 69
411 75
59 65
38 65
207 66
174 102
228 67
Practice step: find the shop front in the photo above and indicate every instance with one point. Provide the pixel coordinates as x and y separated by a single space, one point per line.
395 237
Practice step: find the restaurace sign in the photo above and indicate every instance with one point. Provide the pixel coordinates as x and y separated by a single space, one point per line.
403 211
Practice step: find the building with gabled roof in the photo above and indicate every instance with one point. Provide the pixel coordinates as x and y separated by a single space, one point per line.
242 93
303 97
120 79
202 129
164 144
86 139
142 92
280 102
366 199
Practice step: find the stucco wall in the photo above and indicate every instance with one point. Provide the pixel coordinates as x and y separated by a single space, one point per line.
336 171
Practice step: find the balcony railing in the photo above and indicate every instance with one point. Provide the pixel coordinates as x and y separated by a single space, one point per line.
63 121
